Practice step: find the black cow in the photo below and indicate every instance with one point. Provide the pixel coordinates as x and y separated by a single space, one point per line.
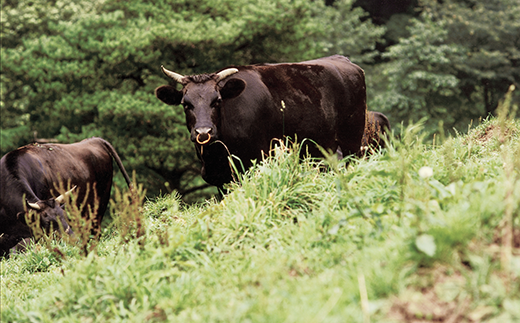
239 110
377 127
30 178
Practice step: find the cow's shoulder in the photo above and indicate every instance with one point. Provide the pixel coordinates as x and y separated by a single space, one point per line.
12 161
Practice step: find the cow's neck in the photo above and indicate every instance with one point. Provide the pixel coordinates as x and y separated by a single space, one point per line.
216 169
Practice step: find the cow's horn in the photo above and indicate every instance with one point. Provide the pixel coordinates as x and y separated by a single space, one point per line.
225 73
174 76
34 206
61 199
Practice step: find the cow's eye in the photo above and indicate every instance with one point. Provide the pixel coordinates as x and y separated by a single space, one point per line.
216 103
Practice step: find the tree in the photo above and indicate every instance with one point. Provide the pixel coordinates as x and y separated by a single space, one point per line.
348 32
457 63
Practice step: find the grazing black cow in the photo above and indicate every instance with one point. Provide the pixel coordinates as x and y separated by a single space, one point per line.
239 110
377 127
30 178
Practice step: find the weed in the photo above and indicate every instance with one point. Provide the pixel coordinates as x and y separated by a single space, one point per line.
127 211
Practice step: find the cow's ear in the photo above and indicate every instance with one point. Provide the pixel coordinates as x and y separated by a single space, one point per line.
169 94
232 88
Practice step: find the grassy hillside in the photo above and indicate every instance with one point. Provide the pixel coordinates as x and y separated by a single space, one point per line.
423 232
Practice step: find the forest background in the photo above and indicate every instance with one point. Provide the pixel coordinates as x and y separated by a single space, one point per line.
75 69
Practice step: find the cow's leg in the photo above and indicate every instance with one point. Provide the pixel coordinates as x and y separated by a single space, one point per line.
220 194
350 133
339 153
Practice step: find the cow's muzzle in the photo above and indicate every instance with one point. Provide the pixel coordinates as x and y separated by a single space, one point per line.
203 135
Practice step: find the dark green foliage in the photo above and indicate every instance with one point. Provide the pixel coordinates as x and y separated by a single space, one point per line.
455 64
348 32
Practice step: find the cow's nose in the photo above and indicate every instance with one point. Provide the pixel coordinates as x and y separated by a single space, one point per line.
203 130
203 135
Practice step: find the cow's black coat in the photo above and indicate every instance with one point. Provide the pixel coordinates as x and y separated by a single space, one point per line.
36 171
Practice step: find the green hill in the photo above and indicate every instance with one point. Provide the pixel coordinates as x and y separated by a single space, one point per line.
421 232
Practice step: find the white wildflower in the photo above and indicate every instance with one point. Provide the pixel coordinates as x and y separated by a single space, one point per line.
426 172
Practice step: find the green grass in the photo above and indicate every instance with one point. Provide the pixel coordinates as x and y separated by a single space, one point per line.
301 242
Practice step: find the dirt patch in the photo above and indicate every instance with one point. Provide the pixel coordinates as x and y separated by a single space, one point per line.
427 307
443 301
492 131
497 238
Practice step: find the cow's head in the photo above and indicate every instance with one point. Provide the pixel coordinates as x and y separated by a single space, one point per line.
202 97
49 212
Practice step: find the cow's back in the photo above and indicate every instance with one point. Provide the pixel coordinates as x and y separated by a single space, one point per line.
81 163
323 100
